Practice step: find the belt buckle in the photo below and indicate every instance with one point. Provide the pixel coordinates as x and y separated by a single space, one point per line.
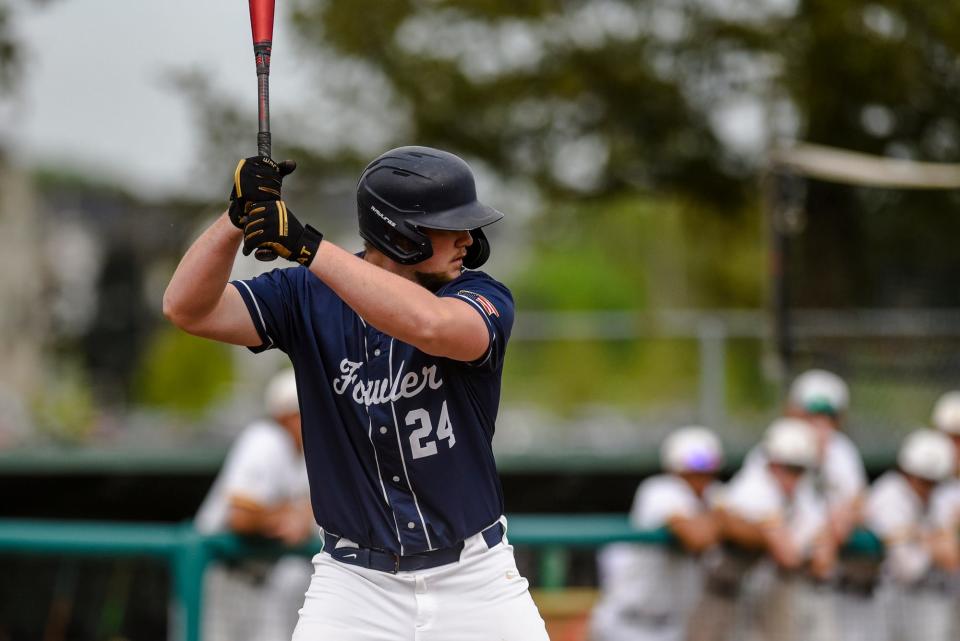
396 563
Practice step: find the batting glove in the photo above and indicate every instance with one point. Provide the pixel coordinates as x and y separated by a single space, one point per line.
256 179
271 226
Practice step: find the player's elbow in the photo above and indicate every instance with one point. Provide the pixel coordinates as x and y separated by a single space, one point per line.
179 313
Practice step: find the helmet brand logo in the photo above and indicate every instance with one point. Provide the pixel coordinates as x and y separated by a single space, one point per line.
385 219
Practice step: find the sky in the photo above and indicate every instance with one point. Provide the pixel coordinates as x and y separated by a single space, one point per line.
95 92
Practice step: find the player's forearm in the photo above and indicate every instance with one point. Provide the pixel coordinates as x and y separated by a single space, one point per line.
394 305
200 278
696 533
249 518
741 532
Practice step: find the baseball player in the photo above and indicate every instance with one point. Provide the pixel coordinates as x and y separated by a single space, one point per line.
913 601
398 353
945 502
822 399
261 490
945 499
648 591
777 547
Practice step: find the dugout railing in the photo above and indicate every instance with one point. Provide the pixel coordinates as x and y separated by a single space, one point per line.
186 553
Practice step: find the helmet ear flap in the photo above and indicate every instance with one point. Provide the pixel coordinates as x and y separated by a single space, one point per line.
478 252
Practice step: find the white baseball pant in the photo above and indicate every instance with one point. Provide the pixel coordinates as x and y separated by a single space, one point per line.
482 597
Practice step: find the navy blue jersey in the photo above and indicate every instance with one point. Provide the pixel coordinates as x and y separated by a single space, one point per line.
398 443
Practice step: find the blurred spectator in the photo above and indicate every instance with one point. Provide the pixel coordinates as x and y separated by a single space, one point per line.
945 500
649 590
262 490
913 601
777 549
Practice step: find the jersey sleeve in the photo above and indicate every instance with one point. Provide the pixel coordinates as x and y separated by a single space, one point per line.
945 506
660 499
252 470
751 496
270 299
887 514
494 302
843 470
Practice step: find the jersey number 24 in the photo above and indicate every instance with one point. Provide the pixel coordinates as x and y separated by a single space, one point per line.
418 447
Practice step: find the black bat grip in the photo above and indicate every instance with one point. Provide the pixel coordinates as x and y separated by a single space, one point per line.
261 52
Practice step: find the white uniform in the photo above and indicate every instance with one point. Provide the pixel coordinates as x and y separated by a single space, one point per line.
255 600
912 602
945 505
649 590
841 476
774 604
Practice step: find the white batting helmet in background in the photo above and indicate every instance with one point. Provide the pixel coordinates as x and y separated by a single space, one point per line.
818 390
691 449
280 397
946 413
928 454
791 441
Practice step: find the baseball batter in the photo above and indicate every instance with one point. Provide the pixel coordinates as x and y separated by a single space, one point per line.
648 591
913 602
262 490
398 354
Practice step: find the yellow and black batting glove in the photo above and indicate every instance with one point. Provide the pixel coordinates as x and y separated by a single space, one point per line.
256 179
270 225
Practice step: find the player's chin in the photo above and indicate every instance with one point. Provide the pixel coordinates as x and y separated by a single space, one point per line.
435 280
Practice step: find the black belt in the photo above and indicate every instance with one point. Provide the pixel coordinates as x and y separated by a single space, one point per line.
389 562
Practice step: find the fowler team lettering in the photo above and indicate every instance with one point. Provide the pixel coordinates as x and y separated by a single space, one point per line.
379 391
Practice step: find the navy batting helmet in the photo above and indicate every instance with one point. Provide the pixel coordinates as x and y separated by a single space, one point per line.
411 188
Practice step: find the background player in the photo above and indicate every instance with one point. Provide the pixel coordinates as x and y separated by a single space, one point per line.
775 526
822 398
913 600
398 355
649 590
261 490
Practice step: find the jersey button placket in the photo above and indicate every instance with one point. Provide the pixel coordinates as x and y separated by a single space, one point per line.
389 444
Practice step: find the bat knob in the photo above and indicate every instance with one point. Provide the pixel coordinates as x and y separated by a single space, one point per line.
265 255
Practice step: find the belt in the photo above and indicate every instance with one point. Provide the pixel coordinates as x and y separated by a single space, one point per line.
389 562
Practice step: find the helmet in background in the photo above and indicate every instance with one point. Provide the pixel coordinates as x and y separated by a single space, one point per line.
928 454
946 413
791 441
818 391
280 397
691 449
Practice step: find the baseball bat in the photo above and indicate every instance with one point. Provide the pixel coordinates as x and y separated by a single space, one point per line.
261 25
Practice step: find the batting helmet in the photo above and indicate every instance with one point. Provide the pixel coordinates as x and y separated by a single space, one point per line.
791 441
691 449
280 397
946 413
819 392
411 188
928 454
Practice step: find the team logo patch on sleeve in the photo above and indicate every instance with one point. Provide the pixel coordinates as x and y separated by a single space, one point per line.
482 301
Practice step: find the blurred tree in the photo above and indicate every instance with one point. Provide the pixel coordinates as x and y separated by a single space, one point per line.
883 78
183 373
585 98
8 50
